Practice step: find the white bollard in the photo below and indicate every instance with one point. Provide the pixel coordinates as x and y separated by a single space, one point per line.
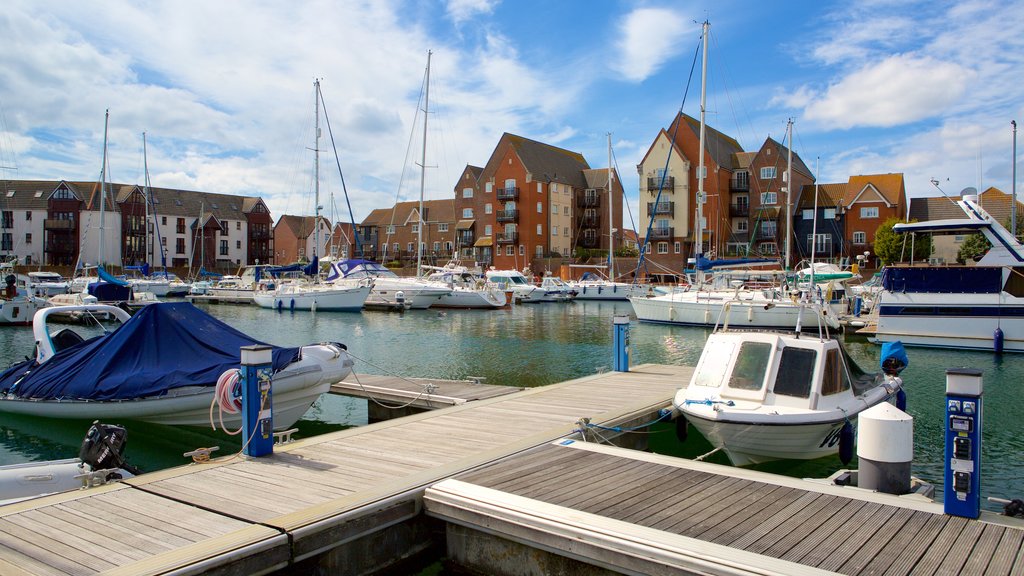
885 449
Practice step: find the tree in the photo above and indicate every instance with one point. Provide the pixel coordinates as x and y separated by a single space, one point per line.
892 246
974 247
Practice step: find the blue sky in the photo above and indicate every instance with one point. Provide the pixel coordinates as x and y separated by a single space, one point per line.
224 89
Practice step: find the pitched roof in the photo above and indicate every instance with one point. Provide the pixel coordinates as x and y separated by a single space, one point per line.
829 195
544 162
299 226
598 178
890 186
783 152
993 200
403 212
722 149
742 160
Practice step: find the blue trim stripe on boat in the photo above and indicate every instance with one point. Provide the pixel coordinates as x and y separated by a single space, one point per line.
951 311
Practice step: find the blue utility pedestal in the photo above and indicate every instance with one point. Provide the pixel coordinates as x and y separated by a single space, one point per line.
257 402
962 489
620 343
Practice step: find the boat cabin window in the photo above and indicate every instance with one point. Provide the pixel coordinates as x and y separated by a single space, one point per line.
796 371
714 364
836 379
751 365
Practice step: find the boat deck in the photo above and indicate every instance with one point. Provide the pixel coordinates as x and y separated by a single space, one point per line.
634 512
311 497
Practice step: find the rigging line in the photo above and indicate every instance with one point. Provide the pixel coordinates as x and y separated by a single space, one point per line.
337 160
408 151
723 68
675 130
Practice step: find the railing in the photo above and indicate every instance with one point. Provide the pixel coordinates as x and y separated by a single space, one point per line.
506 194
466 238
592 221
653 183
60 248
507 215
766 234
507 238
662 232
739 209
54 224
259 234
739 184
589 241
662 208
588 201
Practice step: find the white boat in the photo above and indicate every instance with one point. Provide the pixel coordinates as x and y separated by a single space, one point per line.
310 295
44 284
517 283
590 286
977 307
100 461
556 290
161 365
469 290
761 396
17 306
388 287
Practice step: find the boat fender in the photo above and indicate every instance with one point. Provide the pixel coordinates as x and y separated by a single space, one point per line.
279 305
997 340
846 443
901 400
291 305
682 428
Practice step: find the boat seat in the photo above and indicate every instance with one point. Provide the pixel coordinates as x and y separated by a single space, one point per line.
65 338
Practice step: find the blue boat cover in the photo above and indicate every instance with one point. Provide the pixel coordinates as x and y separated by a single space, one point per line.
105 276
941 280
704 264
162 347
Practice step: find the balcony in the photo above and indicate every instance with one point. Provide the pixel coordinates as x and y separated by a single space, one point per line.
507 238
587 201
507 194
507 215
739 183
653 183
766 234
661 208
589 242
259 235
61 248
53 224
465 238
739 209
662 233
590 221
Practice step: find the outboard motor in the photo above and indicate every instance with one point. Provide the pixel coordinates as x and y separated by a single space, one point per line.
103 448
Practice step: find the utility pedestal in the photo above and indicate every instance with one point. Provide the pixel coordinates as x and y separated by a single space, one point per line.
962 491
257 402
620 343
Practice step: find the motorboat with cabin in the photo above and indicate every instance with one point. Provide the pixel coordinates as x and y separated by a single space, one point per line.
161 365
44 284
469 289
388 287
769 395
16 305
517 283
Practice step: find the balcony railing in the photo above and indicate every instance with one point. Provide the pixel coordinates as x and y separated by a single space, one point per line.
739 209
669 186
506 194
739 184
54 224
466 238
589 241
259 234
590 221
60 248
765 234
507 215
507 238
588 201
661 208
662 232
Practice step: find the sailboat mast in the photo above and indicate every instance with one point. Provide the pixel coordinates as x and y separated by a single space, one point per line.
423 171
611 231
316 167
699 231
814 227
145 184
103 185
789 194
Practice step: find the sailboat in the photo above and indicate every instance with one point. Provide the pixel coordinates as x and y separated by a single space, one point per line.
745 301
593 287
338 295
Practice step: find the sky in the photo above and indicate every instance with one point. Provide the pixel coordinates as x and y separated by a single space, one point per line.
224 91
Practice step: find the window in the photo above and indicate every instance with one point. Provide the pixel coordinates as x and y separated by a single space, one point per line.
768 172
554 230
409 246
223 247
795 370
448 246
678 247
163 241
423 246
540 230
415 228
8 219
522 250
835 379
741 225
224 230
554 209
716 361
488 209
7 243
829 214
489 187
467 212
487 230
442 227
808 214
28 238
238 244
767 248
566 231
565 210
869 212
437 246
510 251
769 197
539 251
179 246
396 247
860 238
822 243
702 172
662 247
180 228
163 220
467 192
751 365
390 229
540 208
28 215
769 228
238 225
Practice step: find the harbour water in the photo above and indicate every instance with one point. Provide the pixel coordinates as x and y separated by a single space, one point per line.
533 345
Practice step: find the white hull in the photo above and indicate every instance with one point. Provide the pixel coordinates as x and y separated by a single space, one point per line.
951 320
607 290
20 310
469 298
417 295
32 479
294 390
705 309
324 297
158 288
747 444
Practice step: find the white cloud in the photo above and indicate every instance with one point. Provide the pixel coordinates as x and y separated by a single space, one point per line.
898 90
641 52
462 10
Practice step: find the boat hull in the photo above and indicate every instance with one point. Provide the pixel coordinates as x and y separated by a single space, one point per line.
752 443
334 300
707 311
610 291
951 320
464 298
19 311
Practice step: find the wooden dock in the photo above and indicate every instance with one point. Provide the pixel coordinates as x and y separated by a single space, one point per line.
589 506
394 396
349 501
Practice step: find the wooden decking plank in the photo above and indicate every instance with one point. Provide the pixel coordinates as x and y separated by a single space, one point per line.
981 558
25 550
505 475
762 537
662 500
913 545
734 512
847 538
186 520
812 534
622 487
962 547
111 532
143 525
18 565
39 542
554 483
213 499
876 546
50 525
710 503
1007 551
936 551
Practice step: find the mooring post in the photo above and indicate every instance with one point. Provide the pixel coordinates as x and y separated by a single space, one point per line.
620 343
257 402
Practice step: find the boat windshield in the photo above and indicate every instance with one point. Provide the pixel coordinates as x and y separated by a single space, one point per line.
714 364
796 370
751 365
